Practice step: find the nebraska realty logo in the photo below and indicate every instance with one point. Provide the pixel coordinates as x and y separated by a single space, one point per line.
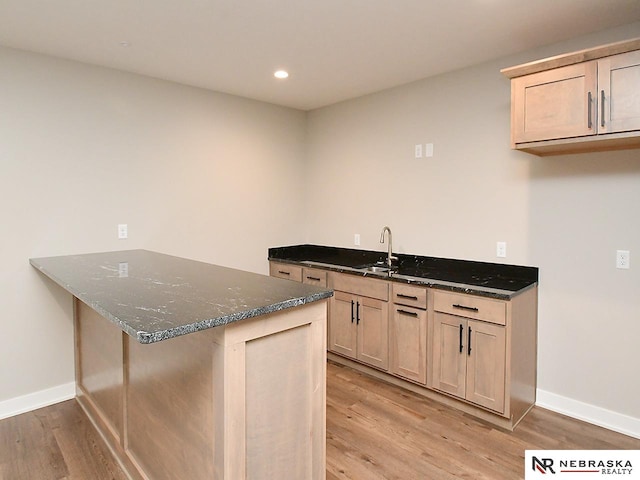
581 464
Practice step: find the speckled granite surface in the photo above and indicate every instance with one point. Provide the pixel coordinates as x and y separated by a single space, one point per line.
154 297
486 279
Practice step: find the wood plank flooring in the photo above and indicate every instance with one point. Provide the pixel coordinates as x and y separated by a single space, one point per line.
54 443
374 431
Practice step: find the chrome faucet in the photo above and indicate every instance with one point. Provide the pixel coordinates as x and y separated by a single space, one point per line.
390 256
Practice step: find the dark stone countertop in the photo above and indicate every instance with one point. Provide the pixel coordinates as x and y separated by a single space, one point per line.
154 297
494 280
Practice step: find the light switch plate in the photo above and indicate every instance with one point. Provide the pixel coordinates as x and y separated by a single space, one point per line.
623 259
428 150
418 150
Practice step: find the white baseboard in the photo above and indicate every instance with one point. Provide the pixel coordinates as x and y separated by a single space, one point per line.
567 406
589 413
35 400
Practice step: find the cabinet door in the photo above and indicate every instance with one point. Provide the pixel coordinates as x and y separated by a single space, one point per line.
373 332
619 93
408 338
342 325
553 104
449 357
486 364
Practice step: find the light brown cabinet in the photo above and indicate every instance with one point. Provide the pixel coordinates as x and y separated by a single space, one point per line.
554 104
469 359
619 86
475 353
359 319
296 273
286 271
584 101
408 332
483 350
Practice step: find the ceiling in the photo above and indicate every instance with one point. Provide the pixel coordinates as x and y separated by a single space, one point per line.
333 49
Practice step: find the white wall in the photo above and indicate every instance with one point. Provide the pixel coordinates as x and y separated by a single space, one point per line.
567 215
193 173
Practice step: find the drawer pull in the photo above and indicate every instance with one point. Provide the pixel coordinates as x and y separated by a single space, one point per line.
464 307
407 312
461 330
317 279
410 297
283 272
589 102
602 108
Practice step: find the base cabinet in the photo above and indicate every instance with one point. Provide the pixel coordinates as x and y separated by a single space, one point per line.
358 329
453 347
469 360
408 333
359 319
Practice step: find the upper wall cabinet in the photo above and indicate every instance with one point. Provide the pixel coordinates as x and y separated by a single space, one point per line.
580 102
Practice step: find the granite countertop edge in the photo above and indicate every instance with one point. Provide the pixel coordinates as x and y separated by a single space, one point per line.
146 337
489 292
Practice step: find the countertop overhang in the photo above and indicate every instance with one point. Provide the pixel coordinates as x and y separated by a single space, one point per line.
153 296
495 280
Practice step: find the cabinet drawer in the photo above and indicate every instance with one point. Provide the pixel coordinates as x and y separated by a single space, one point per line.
470 306
366 287
313 276
283 270
409 295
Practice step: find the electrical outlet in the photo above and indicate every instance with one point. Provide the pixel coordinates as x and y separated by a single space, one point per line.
623 259
501 249
356 239
418 150
123 231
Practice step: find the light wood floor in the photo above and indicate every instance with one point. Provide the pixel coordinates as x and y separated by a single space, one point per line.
374 431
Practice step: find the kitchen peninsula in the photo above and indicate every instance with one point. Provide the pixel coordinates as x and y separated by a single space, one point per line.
191 370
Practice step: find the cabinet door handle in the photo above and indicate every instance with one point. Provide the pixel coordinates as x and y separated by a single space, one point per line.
469 343
464 307
406 312
357 313
589 106
461 330
602 108
352 311
410 297
317 279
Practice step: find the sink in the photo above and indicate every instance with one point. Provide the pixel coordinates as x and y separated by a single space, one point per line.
376 269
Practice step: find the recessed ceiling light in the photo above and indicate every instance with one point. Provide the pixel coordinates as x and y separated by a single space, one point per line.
281 74
125 44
